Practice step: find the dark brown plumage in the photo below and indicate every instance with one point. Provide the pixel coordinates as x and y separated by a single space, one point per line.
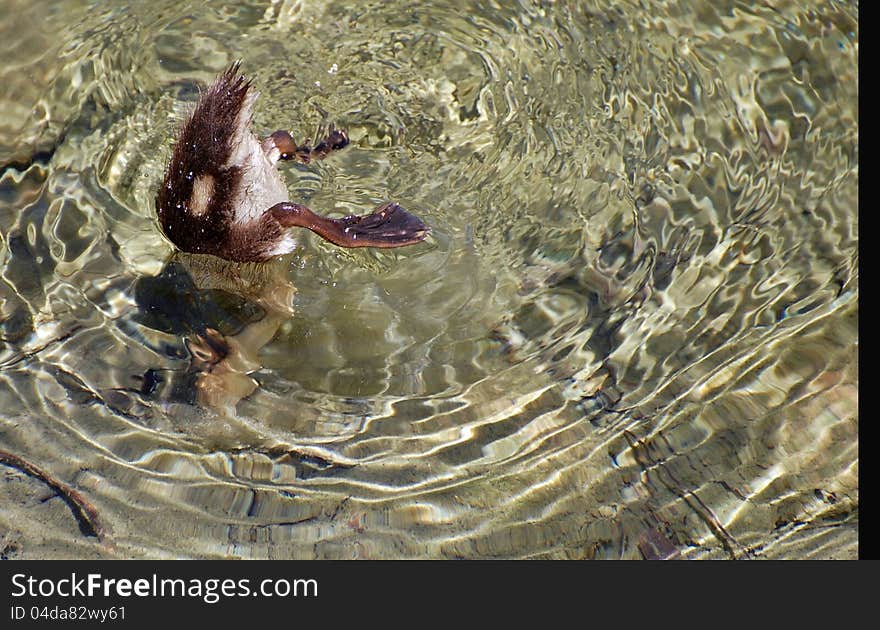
222 194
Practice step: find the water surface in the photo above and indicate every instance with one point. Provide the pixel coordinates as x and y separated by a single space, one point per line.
632 333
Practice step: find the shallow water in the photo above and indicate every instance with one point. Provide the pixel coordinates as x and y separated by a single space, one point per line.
632 332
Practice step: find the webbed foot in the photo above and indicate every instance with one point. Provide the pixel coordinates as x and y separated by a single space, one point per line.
289 150
387 226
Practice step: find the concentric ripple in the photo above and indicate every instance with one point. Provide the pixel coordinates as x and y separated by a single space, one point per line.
632 332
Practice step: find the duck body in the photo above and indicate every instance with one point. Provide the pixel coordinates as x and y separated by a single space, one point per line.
223 195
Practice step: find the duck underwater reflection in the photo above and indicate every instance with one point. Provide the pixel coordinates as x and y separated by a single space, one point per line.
225 312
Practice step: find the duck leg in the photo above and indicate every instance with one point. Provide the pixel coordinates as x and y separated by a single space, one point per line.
389 225
288 149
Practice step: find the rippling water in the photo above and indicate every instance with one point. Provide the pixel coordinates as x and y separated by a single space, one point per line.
632 332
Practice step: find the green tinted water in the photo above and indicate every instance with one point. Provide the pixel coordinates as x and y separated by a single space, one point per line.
632 331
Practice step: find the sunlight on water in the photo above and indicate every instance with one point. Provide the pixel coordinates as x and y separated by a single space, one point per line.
632 332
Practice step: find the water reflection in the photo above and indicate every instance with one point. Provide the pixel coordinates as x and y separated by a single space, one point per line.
225 313
633 332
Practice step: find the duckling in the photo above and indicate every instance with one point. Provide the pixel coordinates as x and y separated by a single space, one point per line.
222 194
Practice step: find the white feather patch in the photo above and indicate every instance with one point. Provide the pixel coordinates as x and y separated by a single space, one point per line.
261 184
